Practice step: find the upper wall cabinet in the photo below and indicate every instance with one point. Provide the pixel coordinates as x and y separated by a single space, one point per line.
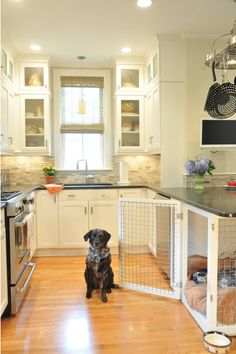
33 77
129 78
7 65
35 124
152 69
130 124
9 116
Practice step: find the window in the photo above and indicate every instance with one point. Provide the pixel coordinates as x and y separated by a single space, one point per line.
82 135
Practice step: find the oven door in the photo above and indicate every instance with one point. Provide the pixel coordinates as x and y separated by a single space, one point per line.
19 245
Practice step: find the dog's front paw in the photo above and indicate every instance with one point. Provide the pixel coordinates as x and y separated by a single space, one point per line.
88 296
109 290
104 299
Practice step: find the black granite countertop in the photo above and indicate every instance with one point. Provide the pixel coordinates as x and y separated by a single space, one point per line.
216 200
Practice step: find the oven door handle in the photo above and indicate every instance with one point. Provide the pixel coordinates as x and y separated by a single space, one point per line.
30 264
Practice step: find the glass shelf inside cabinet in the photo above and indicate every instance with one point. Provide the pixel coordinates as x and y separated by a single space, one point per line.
34 122
130 122
129 78
34 76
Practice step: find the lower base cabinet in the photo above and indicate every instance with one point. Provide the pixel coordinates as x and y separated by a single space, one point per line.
64 219
47 220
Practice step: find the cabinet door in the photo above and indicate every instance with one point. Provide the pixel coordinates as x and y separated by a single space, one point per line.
8 118
73 223
104 215
4 297
129 78
47 220
152 120
130 124
34 123
34 77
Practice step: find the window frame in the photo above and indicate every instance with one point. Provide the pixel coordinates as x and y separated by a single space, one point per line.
106 74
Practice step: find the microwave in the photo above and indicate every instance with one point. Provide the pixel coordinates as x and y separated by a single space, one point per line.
218 133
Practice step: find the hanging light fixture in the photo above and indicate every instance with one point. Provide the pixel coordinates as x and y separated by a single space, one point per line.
81 105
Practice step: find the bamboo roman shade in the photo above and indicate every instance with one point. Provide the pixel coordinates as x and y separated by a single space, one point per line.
90 89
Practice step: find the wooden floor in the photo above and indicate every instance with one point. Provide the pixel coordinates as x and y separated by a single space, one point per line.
55 317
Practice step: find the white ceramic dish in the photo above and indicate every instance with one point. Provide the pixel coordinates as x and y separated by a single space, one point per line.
217 342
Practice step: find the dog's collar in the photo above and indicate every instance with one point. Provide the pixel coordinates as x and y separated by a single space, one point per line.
97 255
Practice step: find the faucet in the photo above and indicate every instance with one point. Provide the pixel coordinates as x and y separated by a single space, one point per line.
85 165
88 178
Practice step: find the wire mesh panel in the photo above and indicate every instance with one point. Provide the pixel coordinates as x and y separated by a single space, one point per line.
226 275
149 246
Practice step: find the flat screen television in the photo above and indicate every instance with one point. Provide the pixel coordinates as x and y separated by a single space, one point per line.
218 134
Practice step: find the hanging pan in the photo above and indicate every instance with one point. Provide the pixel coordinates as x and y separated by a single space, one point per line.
221 99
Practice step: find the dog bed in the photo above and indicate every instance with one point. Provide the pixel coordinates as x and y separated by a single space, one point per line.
196 294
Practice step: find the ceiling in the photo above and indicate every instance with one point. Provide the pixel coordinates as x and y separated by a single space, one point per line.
99 28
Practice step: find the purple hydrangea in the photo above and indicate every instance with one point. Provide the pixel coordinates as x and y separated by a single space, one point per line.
200 166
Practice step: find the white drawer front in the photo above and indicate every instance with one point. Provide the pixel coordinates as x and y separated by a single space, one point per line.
88 194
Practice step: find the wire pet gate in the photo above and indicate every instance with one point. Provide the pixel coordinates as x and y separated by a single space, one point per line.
149 246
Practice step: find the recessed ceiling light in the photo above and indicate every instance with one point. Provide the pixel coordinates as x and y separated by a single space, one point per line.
144 3
126 50
35 47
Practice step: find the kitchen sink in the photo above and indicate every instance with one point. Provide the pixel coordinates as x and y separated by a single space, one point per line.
74 185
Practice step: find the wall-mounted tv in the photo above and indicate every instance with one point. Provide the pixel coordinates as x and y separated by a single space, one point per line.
218 134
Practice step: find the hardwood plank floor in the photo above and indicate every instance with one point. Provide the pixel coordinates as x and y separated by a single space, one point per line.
55 317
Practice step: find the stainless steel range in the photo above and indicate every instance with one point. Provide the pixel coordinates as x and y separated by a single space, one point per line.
20 215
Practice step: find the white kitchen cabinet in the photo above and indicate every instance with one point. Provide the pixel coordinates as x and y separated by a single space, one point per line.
152 68
33 77
132 192
4 291
34 116
129 78
8 117
152 121
47 220
81 211
73 223
7 65
104 215
130 124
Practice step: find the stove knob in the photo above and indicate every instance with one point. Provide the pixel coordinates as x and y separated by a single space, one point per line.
24 201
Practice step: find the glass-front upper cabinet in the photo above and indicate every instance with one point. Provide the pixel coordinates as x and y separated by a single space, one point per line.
130 123
129 77
152 69
35 116
4 62
34 76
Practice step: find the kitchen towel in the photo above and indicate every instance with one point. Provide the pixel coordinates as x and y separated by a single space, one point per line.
124 170
53 188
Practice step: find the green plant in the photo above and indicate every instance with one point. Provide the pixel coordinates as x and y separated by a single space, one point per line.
49 170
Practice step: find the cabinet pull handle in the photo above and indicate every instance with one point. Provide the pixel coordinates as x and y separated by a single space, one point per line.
55 199
10 140
46 142
71 195
85 210
91 210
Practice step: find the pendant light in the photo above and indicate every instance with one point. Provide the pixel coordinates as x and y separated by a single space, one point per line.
81 105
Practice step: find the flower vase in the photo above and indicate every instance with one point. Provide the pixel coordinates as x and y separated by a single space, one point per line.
199 182
50 179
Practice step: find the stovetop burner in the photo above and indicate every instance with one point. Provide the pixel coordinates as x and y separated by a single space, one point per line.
8 195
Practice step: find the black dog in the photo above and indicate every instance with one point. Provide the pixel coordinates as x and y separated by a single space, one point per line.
98 273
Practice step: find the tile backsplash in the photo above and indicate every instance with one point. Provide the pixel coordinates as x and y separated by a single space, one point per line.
28 170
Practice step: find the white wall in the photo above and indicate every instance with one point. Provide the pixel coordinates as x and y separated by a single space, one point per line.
198 81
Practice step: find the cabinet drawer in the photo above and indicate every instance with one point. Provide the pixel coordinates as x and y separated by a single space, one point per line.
89 194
